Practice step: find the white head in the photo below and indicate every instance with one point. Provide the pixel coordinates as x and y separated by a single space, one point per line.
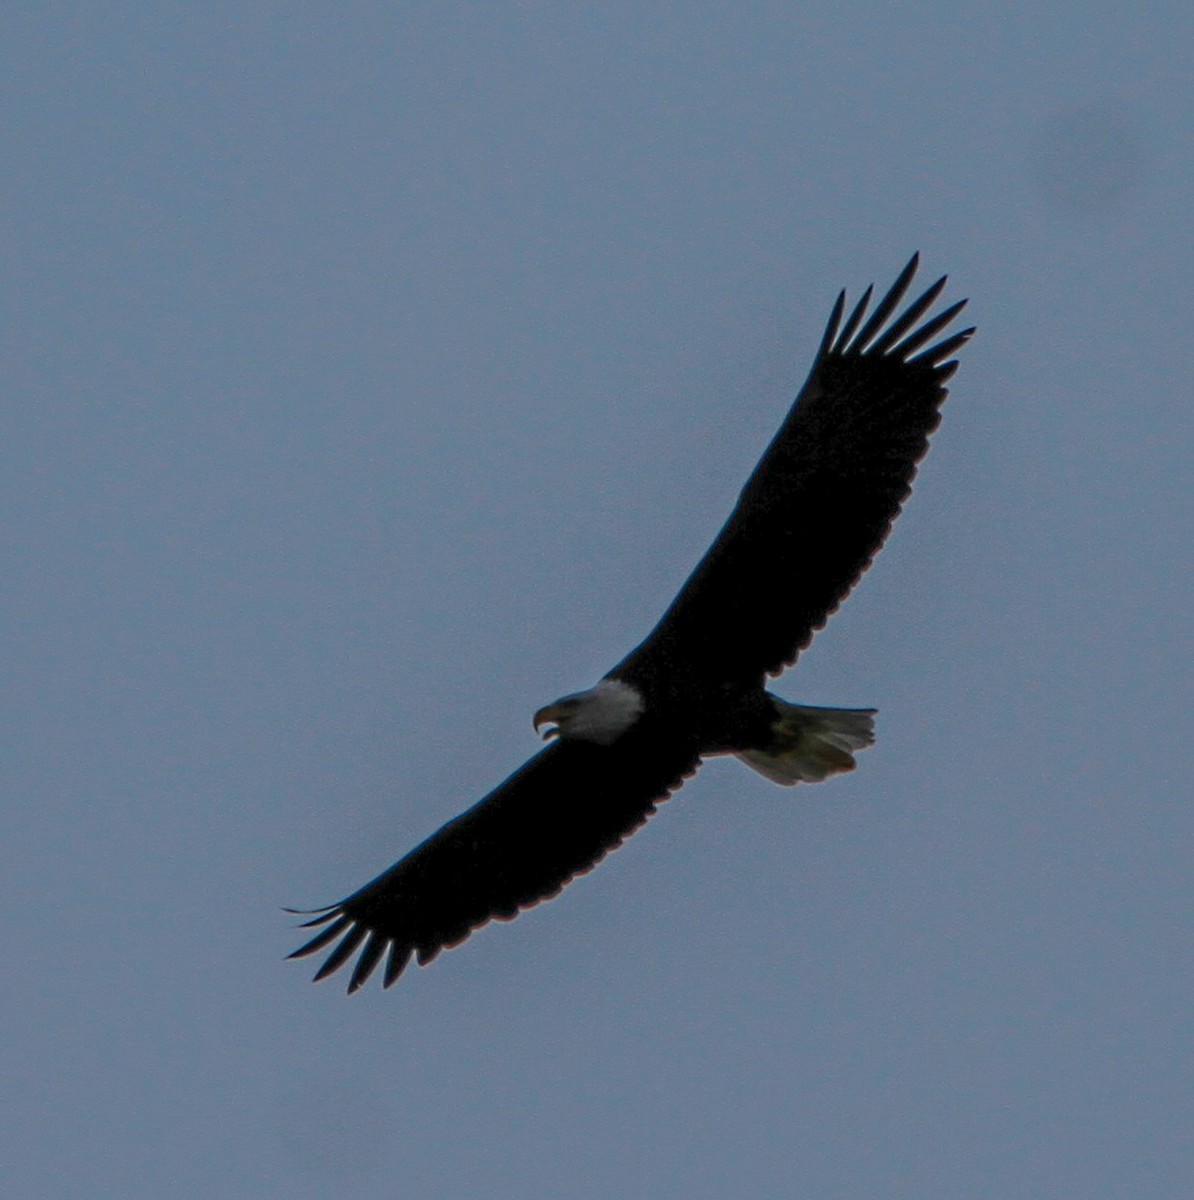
601 715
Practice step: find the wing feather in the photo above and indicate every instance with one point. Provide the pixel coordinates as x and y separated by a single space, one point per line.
553 819
820 502
909 317
886 306
847 333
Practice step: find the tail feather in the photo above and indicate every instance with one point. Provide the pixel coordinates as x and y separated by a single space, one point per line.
810 743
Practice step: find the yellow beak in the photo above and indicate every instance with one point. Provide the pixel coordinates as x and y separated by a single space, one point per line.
551 715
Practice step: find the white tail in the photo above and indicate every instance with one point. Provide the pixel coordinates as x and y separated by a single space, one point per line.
812 743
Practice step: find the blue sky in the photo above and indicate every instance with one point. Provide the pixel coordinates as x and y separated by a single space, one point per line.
376 374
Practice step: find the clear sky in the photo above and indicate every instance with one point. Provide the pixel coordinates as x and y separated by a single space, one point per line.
375 373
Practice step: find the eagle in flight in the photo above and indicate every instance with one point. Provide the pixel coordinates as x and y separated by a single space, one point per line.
812 515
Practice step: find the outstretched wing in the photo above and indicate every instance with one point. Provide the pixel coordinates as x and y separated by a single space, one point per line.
818 506
553 819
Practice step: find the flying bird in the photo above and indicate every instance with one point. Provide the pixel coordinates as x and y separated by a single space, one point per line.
811 517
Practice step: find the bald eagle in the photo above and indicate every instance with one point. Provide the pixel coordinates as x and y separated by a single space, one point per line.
812 515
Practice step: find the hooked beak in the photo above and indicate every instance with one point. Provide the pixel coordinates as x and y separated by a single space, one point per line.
551 715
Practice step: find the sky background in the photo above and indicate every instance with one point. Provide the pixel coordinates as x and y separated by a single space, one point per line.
374 374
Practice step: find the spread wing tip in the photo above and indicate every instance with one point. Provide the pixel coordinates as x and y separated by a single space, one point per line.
877 334
351 934
373 944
